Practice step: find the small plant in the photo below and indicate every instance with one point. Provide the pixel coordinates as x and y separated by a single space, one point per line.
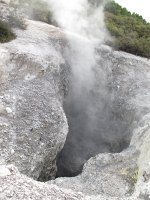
130 175
135 177
6 34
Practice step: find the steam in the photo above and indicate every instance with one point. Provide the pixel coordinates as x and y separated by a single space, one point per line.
85 28
79 17
92 111
83 22
89 106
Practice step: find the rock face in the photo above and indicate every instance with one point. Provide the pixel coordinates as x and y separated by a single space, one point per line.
108 174
34 126
16 186
105 119
127 173
33 123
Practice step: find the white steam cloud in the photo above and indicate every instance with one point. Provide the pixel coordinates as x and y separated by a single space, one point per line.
83 23
78 16
85 28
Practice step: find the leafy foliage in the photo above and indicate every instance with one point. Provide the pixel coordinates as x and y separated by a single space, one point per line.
131 31
5 33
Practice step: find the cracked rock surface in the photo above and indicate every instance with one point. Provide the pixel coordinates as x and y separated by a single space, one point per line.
33 125
16 186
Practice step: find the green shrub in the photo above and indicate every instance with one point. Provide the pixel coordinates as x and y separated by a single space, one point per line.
131 31
6 34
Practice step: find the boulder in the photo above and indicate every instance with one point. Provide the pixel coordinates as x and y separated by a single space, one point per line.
33 126
16 186
106 174
105 118
33 123
127 173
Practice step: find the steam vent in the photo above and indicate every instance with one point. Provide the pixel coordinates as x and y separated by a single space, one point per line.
74 101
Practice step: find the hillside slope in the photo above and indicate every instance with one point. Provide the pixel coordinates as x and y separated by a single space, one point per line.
130 30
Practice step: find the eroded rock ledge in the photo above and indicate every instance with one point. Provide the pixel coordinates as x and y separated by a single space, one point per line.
33 123
33 82
16 186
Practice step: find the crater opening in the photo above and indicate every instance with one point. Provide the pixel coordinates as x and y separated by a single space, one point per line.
99 121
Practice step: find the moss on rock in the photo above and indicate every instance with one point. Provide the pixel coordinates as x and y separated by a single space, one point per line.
6 34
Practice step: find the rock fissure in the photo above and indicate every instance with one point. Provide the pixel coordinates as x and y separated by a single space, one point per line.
100 120
108 118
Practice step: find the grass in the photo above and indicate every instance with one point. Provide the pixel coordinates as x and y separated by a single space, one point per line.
6 33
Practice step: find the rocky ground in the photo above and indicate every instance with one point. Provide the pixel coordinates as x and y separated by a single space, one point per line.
34 81
31 100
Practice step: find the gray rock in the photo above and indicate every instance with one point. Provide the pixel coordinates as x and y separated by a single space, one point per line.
16 186
127 173
141 139
105 174
104 119
33 80
33 123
